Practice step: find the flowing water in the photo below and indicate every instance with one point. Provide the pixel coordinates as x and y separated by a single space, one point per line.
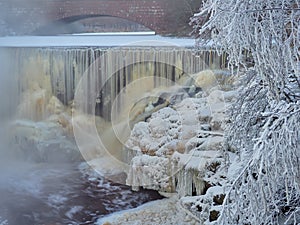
61 194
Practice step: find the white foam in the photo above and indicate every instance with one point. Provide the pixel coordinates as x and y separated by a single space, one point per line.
73 210
56 200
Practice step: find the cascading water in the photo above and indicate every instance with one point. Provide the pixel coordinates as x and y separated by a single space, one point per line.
38 87
57 71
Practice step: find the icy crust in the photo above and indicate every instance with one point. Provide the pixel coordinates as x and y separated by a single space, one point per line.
157 137
43 141
205 207
180 149
176 147
151 172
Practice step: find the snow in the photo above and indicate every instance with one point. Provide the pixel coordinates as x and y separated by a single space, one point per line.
3 222
263 128
149 172
164 212
94 40
180 149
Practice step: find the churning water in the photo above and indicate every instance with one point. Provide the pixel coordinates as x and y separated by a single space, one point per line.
60 193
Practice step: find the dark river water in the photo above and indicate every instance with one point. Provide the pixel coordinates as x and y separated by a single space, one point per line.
61 193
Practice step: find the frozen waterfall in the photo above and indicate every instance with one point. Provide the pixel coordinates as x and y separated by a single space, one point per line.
57 72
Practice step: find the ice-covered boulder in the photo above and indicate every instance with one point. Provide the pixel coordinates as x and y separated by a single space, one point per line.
158 135
205 79
54 106
179 147
150 172
43 141
33 105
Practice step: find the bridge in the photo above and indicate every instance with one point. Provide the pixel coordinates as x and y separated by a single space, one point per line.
165 17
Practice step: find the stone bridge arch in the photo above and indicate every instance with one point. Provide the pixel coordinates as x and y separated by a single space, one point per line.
162 16
67 24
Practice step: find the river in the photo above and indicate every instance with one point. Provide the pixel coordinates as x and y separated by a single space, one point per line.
61 194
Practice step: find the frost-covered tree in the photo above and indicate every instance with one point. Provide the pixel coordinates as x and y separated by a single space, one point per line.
265 121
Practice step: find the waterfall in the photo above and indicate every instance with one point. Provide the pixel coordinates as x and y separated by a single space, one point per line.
95 81
97 77
39 73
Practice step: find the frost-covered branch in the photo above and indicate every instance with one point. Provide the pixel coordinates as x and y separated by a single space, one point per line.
265 120
268 189
270 36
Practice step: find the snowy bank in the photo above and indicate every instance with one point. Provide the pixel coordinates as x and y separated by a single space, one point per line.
163 212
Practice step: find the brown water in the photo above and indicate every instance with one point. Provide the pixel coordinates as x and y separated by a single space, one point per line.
47 193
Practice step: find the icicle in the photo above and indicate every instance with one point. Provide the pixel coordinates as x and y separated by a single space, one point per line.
60 70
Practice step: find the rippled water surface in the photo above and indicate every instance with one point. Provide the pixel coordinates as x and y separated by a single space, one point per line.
61 194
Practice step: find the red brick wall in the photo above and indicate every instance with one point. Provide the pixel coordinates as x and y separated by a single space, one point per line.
154 14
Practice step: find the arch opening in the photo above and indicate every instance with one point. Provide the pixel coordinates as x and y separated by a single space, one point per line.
90 24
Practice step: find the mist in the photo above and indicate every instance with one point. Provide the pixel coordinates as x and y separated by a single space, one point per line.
7 104
43 178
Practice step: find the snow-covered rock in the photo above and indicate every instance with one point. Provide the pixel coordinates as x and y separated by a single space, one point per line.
150 172
205 79
172 150
157 135
206 207
179 149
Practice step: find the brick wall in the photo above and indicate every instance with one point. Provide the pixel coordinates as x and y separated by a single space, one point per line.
158 15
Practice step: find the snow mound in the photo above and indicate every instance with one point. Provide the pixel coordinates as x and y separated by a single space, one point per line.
152 213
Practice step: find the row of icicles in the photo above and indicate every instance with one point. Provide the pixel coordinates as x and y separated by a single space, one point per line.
40 73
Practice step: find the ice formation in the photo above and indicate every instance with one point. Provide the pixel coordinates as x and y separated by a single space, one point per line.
180 149
43 141
171 151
